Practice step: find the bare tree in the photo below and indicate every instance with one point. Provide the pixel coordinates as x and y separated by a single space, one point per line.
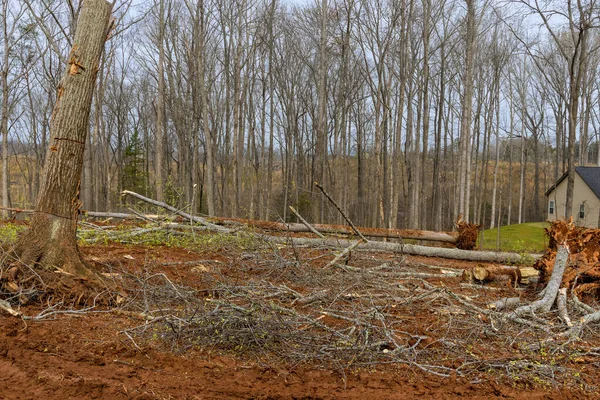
467 111
50 239
571 38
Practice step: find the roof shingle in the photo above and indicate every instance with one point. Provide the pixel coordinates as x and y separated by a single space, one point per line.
591 176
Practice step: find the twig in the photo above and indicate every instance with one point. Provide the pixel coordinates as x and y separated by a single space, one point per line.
309 226
312 297
343 253
341 211
142 216
5 305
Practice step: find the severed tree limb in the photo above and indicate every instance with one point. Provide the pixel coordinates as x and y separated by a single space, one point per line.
309 226
142 216
341 212
578 303
505 303
584 308
561 304
343 253
313 297
175 211
551 290
5 305
575 330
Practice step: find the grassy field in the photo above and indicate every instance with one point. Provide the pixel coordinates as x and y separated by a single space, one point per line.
528 238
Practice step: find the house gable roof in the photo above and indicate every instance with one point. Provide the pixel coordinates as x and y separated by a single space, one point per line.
590 175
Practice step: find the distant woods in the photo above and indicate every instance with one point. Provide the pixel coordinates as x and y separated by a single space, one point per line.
408 112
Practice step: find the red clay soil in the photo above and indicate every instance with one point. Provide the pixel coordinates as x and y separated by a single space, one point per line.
88 356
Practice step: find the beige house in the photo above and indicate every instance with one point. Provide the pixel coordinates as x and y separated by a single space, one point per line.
586 198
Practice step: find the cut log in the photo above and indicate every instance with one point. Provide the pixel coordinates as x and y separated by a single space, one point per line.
529 275
489 273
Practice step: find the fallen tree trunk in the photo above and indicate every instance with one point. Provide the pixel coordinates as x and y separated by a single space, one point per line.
458 254
448 237
488 256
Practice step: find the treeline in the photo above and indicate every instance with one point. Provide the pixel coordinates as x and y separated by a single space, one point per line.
409 112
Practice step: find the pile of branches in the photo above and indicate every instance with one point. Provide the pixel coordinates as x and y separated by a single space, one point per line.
290 305
356 311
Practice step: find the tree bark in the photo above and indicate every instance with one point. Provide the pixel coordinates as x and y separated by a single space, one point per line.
160 108
6 66
321 139
466 117
458 254
50 239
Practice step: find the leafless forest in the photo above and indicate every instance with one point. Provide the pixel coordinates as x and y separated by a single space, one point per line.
409 112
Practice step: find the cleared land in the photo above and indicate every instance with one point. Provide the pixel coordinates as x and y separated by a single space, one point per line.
192 314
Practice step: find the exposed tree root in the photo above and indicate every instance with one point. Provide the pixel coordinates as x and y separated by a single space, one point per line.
583 266
45 263
467 235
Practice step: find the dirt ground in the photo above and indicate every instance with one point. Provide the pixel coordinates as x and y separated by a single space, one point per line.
115 352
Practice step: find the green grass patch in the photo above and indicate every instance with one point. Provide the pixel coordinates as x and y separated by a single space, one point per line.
9 232
186 239
520 238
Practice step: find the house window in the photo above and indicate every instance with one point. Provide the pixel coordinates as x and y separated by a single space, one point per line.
551 207
582 211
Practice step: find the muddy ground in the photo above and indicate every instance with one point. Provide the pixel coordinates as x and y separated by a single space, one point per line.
240 319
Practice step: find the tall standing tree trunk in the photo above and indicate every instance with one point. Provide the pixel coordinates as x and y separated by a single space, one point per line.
425 216
51 237
437 168
575 80
321 142
160 107
5 111
467 112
